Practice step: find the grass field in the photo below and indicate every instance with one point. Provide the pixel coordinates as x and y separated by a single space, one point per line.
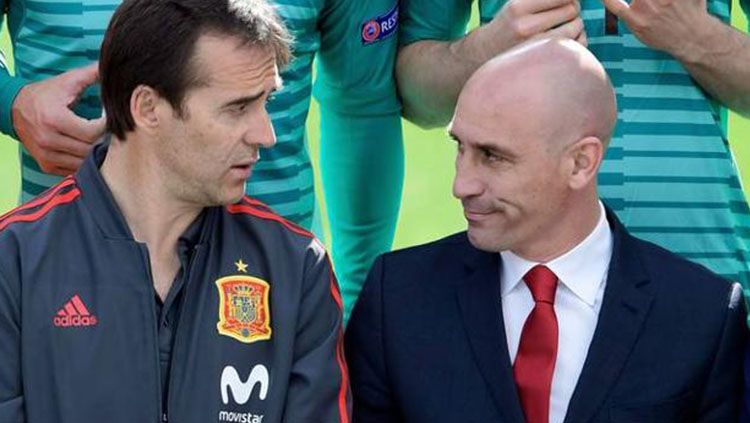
428 211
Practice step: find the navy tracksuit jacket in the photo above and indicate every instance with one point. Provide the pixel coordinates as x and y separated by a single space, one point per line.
258 339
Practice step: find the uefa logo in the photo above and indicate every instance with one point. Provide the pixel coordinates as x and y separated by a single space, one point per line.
370 31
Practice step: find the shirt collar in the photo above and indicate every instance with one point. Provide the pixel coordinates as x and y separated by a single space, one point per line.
582 269
192 235
97 197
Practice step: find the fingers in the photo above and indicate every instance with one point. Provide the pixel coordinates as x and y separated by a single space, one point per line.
536 6
57 138
71 146
87 75
56 153
84 130
619 7
60 163
571 29
583 39
78 79
55 162
544 21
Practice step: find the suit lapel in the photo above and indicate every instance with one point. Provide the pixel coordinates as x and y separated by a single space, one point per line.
479 301
625 306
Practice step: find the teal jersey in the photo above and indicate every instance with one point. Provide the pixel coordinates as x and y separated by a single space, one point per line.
668 174
355 79
355 43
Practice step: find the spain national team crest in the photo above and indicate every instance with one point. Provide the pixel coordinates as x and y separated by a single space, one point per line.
244 313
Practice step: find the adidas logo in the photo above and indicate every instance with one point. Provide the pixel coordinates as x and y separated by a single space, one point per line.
74 314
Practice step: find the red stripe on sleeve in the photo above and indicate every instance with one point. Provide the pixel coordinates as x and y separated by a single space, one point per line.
52 203
343 390
335 293
343 410
43 199
247 209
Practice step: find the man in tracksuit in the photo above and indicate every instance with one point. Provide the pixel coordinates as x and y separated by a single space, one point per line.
146 288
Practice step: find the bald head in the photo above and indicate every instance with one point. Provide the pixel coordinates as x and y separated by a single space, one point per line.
557 84
532 126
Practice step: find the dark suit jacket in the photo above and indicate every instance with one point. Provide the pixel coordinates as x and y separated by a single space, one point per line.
426 342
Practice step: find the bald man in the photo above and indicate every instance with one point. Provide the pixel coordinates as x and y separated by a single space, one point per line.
545 309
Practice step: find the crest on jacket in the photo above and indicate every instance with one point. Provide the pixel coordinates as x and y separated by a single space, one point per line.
244 313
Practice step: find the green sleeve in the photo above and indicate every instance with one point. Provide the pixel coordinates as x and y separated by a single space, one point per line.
9 88
9 85
440 20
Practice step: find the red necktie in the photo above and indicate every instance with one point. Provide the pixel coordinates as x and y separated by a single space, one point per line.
537 351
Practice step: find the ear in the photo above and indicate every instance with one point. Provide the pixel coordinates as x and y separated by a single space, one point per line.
585 156
143 107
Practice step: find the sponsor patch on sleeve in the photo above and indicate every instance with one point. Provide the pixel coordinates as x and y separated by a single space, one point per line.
381 27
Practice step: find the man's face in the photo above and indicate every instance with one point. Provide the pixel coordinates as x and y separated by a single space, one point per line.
209 152
509 174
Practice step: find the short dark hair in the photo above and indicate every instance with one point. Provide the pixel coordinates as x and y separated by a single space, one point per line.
152 42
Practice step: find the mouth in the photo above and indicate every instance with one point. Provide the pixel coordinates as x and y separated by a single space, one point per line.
476 216
243 170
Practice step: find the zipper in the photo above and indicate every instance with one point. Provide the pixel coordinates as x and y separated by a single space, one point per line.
197 250
160 416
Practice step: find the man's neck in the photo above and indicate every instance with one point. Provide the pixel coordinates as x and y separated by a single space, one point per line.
151 211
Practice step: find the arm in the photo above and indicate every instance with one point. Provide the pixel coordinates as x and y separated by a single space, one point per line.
716 55
360 137
723 390
373 400
11 390
319 383
431 72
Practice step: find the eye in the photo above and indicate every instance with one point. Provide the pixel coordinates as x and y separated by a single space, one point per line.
239 108
490 155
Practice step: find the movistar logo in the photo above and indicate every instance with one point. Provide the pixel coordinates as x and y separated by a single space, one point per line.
241 391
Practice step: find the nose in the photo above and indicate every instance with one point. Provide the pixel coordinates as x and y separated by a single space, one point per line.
260 132
468 182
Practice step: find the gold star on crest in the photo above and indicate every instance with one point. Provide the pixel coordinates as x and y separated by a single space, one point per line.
241 266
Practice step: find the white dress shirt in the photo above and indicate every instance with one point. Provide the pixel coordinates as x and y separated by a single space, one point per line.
582 274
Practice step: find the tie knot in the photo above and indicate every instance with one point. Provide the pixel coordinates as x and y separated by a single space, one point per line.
542 283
